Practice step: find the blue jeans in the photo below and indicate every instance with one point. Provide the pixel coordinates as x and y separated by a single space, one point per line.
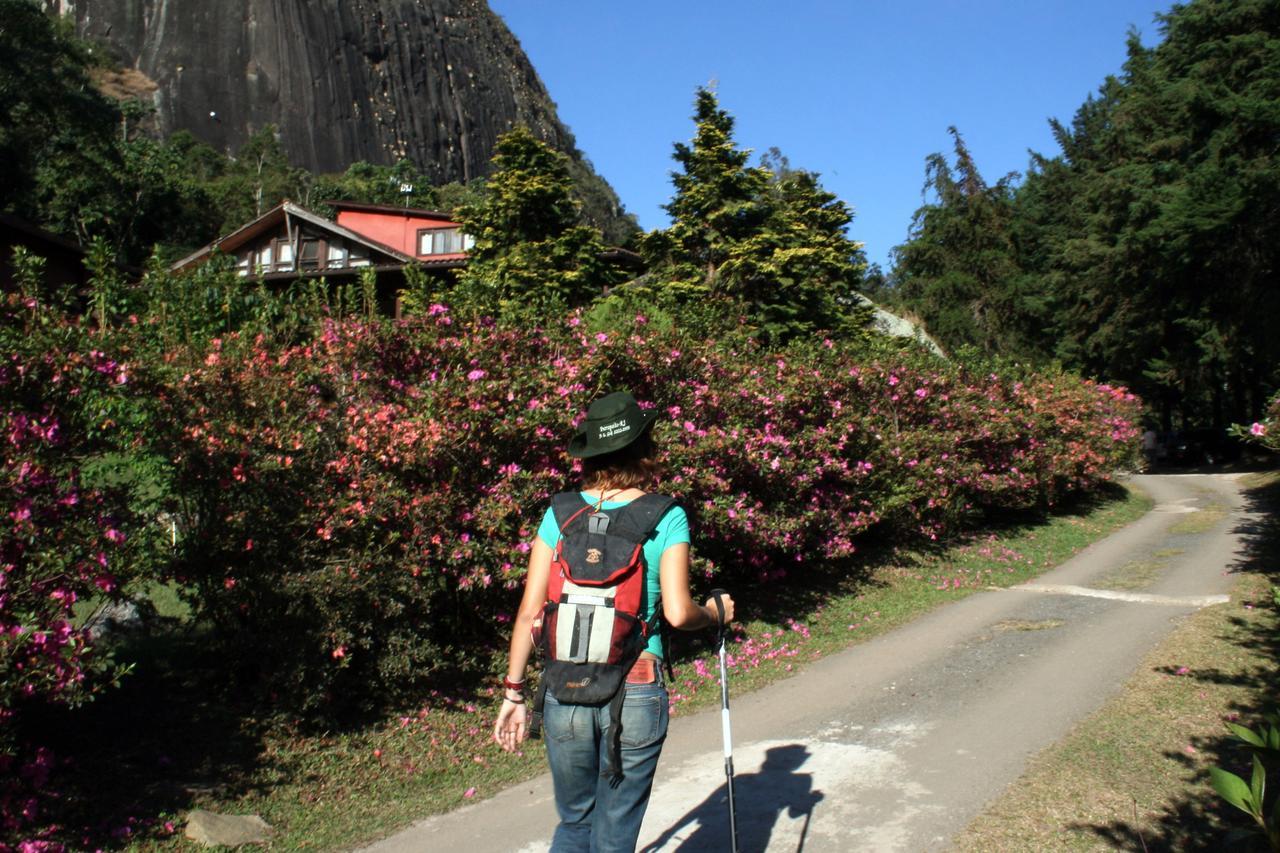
594 816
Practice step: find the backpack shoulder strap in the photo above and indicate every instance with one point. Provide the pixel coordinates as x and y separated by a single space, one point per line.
565 506
640 517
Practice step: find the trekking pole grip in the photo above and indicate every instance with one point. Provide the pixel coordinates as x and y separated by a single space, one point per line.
715 596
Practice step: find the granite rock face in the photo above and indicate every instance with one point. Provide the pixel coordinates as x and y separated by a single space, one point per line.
344 80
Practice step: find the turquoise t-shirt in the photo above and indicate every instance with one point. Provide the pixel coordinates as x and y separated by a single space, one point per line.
672 529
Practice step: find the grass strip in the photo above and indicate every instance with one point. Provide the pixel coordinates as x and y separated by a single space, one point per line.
329 792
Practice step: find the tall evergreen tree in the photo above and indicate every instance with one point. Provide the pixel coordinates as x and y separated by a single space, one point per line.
1157 229
772 248
718 204
800 272
531 248
959 270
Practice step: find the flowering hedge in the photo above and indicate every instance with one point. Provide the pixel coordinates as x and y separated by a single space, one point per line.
61 538
353 507
357 507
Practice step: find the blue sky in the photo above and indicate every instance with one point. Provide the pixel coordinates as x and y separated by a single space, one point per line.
860 91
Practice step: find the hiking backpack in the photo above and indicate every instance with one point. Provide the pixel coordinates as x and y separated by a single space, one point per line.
590 632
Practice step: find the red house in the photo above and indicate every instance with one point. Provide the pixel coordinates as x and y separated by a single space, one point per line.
288 243
427 235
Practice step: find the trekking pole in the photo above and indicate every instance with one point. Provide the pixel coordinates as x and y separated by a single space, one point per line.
724 719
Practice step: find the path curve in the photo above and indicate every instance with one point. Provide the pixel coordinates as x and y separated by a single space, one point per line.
897 743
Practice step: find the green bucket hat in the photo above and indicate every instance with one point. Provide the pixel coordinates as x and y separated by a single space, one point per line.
613 422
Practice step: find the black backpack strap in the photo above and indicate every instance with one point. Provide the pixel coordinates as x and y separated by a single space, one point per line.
539 701
613 755
639 518
566 505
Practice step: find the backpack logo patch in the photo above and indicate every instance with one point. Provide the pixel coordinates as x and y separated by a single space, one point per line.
594 555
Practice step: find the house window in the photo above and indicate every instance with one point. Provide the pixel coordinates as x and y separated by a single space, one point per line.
358 256
337 256
309 254
284 256
443 241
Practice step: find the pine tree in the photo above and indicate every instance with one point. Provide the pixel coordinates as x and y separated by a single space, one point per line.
769 245
1157 229
718 204
958 269
798 274
531 250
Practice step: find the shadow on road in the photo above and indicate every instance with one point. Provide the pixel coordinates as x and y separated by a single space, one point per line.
1199 820
760 799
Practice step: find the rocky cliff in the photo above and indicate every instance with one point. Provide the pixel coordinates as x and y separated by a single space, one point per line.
344 80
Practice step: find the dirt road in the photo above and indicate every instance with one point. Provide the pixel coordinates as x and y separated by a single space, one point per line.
896 744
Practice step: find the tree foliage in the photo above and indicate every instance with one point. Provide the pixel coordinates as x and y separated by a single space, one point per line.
959 268
1146 250
1170 277
770 245
532 250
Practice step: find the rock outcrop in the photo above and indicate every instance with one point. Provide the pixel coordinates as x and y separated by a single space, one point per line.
435 81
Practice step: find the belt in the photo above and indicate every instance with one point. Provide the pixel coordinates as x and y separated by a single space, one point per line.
645 671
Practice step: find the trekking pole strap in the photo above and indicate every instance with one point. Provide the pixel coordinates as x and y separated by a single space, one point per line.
716 595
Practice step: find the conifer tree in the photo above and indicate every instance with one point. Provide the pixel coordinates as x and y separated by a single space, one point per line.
800 272
770 247
1157 230
718 204
531 248
958 269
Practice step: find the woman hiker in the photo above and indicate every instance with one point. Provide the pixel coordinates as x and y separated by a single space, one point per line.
603 747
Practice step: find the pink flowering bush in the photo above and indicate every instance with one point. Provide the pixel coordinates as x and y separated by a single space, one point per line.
62 540
1263 433
356 508
58 537
352 501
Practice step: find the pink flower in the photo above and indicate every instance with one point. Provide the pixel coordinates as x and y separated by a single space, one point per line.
469 793
476 374
1258 429
339 653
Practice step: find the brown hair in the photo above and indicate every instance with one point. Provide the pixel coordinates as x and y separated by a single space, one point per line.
635 466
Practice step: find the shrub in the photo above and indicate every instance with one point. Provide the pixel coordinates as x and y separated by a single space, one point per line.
65 537
356 509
